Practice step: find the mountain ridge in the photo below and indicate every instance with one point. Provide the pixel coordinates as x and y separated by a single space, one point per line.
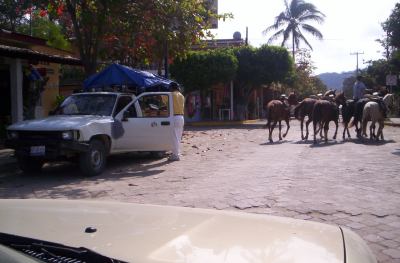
334 80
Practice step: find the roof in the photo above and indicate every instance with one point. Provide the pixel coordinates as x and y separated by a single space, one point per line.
26 53
17 37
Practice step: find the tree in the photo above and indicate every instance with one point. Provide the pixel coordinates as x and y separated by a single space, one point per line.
13 13
129 31
199 70
259 66
294 19
302 80
392 27
42 27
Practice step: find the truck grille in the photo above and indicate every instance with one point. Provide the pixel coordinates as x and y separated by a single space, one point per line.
39 135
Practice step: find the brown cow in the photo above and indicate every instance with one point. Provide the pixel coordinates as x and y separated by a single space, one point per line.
277 111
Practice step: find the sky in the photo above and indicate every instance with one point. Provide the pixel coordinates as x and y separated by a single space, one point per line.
350 26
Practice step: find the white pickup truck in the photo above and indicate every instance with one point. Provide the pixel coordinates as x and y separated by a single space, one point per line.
91 126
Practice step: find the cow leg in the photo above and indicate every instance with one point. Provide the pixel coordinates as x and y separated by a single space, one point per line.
307 123
358 130
372 130
280 130
326 128
347 128
271 130
301 127
287 128
315 132
344 130
321 126
337 126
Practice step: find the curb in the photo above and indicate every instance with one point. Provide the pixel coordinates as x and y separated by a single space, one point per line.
392 124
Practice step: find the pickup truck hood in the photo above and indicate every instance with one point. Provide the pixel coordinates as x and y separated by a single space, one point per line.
149 233
59 123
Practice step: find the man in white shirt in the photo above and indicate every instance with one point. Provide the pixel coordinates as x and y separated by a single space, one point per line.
358 89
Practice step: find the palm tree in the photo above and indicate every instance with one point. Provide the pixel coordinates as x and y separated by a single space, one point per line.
292 20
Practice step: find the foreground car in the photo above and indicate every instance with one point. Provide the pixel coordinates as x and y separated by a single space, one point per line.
126 232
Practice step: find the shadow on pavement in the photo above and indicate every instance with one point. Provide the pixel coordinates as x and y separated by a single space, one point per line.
324 144
275 142
367 141
62 178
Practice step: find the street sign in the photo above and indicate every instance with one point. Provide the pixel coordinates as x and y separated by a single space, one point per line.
391 80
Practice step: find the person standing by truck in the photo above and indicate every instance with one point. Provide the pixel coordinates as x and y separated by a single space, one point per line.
178 102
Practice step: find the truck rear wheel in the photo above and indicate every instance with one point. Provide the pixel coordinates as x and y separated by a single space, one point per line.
93 161
29 165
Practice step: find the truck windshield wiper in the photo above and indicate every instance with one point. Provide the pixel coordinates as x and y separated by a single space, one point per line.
53 252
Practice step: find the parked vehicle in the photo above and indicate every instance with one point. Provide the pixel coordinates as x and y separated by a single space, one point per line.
92 231
89 126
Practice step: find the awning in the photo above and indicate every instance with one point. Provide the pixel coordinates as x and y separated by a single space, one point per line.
26 53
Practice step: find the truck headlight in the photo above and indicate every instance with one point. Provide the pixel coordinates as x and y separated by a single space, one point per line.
12 135
70 135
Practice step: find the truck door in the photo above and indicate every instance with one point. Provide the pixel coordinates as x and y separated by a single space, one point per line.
147 124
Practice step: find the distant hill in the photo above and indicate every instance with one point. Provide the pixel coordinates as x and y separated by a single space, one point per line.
334 80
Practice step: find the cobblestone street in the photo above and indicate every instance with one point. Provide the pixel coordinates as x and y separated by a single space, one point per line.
352 184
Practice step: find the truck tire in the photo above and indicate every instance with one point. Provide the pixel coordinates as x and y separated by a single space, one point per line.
29 165
94 160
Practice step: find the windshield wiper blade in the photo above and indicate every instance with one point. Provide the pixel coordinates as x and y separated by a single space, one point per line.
53 252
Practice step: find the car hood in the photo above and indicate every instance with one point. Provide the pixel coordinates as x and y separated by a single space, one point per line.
149 233
58 123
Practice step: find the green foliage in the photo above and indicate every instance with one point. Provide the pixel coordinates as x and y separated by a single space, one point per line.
261 66
392 26
200 70
59 99
134 33
377 72
51 31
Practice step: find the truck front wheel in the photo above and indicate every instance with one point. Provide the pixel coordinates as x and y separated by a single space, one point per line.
29 165
93 161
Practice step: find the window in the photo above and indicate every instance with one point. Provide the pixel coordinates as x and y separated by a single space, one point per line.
131 111
154 105
122 102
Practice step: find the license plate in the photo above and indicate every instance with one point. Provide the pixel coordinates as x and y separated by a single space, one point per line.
38 150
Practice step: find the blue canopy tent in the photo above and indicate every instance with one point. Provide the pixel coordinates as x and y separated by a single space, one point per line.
120 75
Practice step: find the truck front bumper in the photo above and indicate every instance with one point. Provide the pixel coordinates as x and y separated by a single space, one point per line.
49 149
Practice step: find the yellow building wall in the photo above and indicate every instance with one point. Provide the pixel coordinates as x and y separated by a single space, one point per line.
51 90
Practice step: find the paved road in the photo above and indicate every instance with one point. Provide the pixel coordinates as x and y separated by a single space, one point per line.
353 184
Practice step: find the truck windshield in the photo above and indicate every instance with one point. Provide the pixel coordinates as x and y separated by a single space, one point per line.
88 104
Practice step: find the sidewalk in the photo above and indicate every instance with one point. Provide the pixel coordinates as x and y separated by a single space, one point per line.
395 122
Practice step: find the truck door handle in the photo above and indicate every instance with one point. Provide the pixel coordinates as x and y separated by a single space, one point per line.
165 123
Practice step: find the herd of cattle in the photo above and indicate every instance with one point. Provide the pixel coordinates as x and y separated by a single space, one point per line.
321 111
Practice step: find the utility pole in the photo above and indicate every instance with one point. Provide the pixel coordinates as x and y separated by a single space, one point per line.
357 53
